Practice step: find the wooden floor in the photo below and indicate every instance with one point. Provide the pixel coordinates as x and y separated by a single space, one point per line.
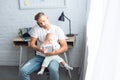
11 73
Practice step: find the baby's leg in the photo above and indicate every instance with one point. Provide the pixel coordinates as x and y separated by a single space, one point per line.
41 71
66 65
44 64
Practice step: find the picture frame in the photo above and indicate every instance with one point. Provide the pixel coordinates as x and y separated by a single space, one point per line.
38 4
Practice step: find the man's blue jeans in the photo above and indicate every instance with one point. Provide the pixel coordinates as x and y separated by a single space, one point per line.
34 64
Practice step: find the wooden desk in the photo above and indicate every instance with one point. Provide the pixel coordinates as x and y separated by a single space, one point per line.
21 43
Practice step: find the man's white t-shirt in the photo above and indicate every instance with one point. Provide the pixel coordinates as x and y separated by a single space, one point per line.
40 34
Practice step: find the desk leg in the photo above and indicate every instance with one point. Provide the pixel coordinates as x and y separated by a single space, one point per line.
20 59
66 59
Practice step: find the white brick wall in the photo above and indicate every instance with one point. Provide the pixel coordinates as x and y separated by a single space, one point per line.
12 18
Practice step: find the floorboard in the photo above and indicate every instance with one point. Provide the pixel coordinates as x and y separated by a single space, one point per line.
12 73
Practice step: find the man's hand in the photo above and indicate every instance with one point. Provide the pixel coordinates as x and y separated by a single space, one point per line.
41 50
49 53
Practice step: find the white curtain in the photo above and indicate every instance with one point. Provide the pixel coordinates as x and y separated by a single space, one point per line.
103 40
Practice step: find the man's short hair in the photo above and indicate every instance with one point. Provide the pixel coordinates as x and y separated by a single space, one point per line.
38 15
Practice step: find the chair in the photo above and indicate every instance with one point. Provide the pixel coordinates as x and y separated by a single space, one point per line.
46 72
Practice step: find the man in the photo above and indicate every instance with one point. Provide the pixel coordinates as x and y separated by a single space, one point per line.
38 34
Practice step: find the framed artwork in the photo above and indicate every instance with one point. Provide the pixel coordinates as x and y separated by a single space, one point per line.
33 4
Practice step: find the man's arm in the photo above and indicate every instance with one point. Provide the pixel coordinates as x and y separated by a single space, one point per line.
33 44
63 47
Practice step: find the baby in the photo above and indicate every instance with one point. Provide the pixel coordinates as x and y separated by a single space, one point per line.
49 46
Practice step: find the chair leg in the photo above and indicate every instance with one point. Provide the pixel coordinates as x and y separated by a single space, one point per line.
47 74
66 59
